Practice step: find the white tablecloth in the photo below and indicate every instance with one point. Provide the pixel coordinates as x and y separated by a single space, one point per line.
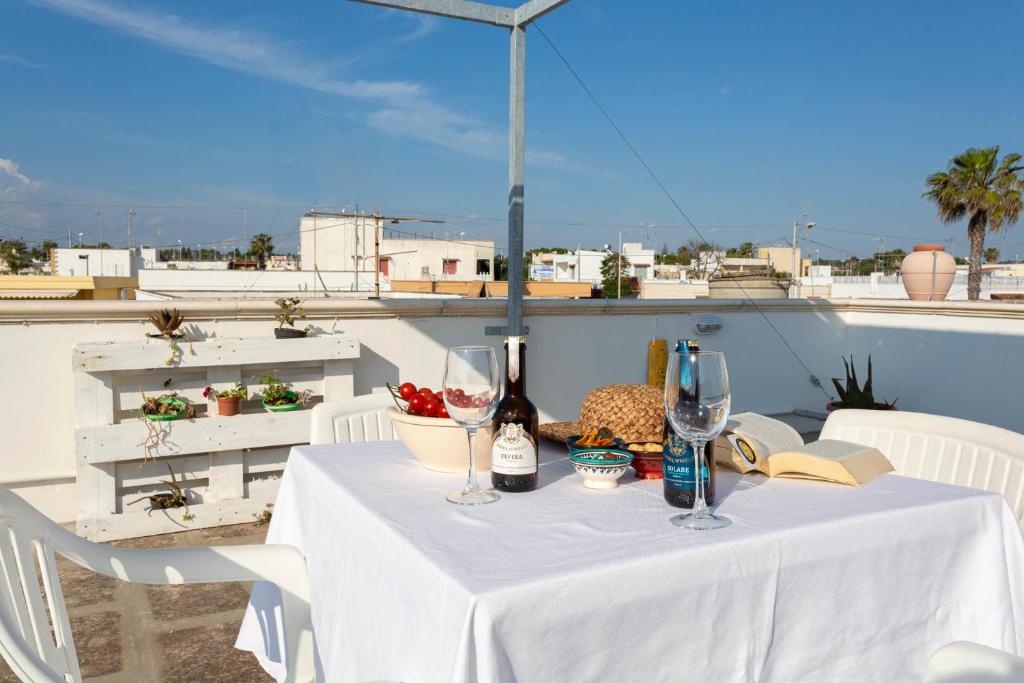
812 582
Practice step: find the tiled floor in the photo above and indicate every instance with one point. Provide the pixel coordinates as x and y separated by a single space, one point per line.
130 632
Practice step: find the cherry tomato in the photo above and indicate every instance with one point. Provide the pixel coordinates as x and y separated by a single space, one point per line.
425 392
407 390
416 404
439 397
442 412
460 393
430 407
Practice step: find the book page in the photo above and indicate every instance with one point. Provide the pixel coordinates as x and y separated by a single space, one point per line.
774 435
831 460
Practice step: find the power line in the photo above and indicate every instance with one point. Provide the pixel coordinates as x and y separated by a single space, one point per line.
668 195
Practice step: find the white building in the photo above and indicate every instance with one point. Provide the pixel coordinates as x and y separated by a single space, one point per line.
346 244
641 261
584 265
97 262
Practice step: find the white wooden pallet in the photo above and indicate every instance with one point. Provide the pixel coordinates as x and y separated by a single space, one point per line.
103 443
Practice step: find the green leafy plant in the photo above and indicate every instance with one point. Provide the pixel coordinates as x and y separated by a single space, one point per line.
165 404
167 501
238 391
264 517
277 393
289 310
853 395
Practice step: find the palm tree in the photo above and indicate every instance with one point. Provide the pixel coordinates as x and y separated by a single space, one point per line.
977 184
261 247
991 255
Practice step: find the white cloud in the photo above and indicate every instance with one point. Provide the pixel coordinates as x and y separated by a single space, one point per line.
408 107
13 183
15 60
441 126
230 48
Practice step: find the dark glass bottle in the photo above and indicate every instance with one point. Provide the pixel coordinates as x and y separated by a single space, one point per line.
680 483
514 442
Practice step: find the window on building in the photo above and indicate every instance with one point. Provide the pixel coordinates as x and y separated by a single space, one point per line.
382 266
449 265
483 267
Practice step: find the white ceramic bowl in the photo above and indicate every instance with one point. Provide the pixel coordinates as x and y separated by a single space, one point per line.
600 475
440 444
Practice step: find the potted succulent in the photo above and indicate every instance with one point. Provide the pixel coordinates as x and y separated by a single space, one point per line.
229 400
165 407
289 310
280 397
855 396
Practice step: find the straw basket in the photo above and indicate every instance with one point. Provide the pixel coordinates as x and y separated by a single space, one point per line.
634 412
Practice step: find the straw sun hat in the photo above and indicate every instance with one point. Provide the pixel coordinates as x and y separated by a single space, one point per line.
634 412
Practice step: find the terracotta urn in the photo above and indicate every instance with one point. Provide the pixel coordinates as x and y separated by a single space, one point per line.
928 273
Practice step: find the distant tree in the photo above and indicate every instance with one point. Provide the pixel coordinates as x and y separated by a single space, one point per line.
991 255
15 255
704 261
614 271
745 250
979 186
261 247
41 252
500 268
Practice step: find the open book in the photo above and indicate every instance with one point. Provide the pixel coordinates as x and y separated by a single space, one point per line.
752 442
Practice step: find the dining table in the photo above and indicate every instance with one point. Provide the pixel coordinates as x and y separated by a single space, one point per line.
812 581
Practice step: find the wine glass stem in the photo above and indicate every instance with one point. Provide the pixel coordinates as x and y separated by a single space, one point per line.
471 483
700 507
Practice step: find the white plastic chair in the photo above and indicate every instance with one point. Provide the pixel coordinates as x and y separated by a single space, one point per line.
963 662
28 538
937 448
354 420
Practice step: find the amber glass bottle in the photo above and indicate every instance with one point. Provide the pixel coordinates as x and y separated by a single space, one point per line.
514 466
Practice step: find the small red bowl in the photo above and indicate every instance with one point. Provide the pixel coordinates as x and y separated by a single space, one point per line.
647 465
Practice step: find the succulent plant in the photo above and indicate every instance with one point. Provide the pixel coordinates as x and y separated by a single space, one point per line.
289 310
853 395
166 321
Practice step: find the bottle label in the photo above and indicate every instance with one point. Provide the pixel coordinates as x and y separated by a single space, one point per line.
513 451
678 465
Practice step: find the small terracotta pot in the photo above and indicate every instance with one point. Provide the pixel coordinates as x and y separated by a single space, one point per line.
833 406
228 406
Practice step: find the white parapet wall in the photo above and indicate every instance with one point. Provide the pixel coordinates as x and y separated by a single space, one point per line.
951 358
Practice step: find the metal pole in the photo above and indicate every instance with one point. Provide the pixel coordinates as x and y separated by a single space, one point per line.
792 273
516 177
618 272
376 255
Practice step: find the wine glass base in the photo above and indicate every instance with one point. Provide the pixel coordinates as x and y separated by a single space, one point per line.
472 497
700 522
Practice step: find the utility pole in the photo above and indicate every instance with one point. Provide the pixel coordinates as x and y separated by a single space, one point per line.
131 218
795 273
376 253
618 271
70 243
99 225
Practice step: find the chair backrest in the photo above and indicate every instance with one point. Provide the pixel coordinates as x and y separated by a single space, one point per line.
31 599
963 662
937 448
354 420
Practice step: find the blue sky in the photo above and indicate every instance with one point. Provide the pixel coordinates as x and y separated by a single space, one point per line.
748 111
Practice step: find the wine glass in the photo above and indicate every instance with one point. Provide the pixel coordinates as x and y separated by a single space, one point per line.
697 407
471 392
